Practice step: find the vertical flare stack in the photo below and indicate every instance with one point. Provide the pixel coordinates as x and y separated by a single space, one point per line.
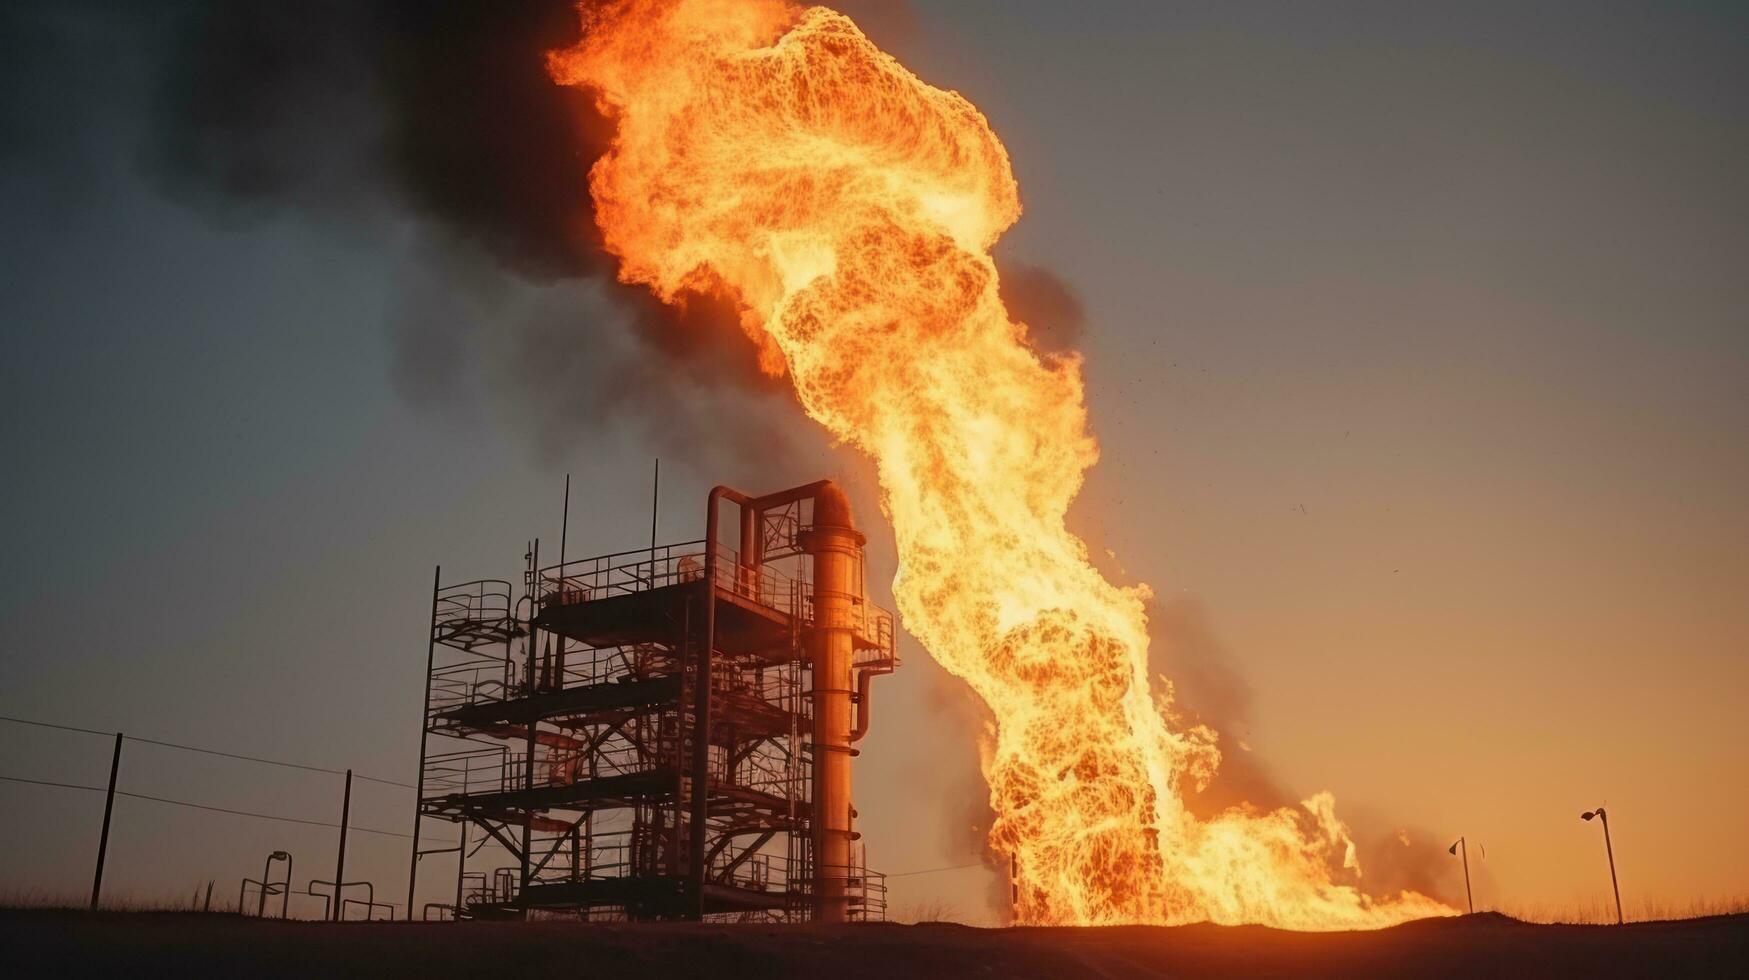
836 547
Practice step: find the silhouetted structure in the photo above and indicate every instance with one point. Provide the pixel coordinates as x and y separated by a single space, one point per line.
663 733
1609 849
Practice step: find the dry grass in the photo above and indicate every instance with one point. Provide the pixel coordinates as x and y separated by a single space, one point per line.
123 902
1602 911
929 910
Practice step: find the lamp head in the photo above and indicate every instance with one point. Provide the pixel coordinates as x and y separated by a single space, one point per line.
1588 814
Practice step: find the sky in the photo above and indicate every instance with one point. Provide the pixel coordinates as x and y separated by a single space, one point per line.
1415 344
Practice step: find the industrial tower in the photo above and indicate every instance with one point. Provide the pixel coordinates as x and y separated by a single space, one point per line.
663 733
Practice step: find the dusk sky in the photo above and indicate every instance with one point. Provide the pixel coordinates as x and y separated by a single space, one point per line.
1415 343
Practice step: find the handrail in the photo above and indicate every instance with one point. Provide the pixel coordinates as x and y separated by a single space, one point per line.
629 572
466 771
472 614
698 543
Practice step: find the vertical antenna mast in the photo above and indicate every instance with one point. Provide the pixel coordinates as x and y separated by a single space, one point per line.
565 520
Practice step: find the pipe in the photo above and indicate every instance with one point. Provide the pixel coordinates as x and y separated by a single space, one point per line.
751 557
836 547
864 706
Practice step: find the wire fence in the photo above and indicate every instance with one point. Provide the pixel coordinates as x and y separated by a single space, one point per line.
203 751
119 767
264 761
204 806
260 760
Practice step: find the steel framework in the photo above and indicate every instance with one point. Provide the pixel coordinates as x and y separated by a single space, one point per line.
663 733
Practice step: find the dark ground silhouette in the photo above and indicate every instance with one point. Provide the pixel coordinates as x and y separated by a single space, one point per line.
63 944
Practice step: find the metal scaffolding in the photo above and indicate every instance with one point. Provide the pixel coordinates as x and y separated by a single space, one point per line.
663 733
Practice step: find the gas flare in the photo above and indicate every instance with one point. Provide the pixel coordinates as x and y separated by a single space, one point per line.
771 154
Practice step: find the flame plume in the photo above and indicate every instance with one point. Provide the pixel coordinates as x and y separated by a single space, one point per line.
773 155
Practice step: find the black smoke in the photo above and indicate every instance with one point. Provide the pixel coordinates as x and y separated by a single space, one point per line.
433 128
440 117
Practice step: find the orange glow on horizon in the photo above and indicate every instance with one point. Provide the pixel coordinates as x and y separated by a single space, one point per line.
771 154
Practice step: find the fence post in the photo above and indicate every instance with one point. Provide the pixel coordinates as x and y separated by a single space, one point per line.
339 862
108 809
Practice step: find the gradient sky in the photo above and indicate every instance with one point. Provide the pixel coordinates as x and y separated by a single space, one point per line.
1416 344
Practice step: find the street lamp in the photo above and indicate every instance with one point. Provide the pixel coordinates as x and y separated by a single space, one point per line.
1468 900
261 907
1609 849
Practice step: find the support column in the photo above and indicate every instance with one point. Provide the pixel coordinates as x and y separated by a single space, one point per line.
699 801
424 720
461 869
533 651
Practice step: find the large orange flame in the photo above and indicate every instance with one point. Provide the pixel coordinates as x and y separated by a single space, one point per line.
772 154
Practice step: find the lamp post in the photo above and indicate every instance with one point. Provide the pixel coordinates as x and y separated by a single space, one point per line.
1469 900
266 867
1609 849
